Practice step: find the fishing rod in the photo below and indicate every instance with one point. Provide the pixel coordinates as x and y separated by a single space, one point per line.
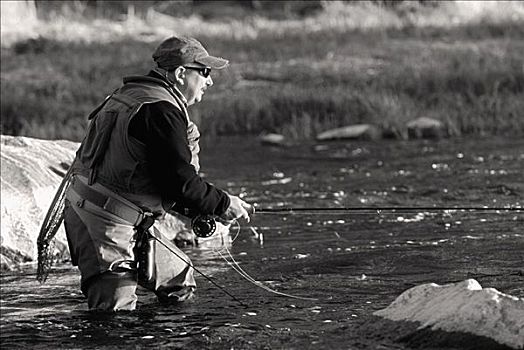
205 225
380 209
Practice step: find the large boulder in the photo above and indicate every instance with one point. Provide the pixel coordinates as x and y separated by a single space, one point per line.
32 170
463 307
357 131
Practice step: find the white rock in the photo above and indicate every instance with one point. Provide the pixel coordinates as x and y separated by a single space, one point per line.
28 186
273 140
357 131
462 307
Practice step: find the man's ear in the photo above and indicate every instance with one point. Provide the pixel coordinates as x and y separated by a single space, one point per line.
180 75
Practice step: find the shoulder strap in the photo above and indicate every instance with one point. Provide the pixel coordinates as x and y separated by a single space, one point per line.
100 106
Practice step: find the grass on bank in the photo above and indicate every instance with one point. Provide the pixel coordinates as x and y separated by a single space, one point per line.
295 82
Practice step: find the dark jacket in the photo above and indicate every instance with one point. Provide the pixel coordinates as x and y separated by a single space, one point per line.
147 150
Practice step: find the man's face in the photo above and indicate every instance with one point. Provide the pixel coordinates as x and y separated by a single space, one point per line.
197 83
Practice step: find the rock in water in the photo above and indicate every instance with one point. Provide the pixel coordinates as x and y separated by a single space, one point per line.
357 131
462 307
31 174
273 140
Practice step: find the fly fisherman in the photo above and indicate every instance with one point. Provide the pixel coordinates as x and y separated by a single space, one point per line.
139 157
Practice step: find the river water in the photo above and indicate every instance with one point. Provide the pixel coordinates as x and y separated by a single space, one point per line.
351 263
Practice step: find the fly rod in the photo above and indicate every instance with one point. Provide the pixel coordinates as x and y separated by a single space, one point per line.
379 209
205 225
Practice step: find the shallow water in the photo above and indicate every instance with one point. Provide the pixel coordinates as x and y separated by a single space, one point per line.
352 263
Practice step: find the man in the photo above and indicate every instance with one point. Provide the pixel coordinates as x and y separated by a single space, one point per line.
139 157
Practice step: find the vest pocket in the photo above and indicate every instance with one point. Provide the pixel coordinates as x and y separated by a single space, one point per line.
97 138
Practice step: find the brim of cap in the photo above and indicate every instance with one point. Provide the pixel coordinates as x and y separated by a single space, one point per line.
213 62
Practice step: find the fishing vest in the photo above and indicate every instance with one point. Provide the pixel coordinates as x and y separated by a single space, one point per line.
109 156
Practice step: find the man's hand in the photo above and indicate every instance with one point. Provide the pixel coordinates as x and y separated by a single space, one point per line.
237 209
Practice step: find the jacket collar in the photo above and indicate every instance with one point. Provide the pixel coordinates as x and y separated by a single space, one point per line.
157 77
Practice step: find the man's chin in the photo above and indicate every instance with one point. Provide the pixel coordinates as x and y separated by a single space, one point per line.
193 101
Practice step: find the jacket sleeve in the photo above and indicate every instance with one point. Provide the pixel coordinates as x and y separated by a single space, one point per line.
164 130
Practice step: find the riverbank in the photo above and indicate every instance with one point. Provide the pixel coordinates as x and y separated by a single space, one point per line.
346 64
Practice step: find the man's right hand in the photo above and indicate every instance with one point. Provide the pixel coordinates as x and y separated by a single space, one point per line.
237 209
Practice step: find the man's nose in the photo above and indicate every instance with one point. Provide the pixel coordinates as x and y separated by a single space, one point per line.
209 81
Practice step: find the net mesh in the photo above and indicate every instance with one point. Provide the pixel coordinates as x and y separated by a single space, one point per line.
49 228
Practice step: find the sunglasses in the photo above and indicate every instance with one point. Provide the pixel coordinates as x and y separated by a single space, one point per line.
205 71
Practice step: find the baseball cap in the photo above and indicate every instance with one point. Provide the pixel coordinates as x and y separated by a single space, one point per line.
178 51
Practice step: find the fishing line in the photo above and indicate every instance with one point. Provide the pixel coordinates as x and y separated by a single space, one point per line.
323 210
236 233
200 272
316 210
234 264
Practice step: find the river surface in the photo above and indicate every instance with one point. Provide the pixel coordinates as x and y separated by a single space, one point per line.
351 263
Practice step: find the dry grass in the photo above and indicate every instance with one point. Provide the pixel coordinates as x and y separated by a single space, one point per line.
336 16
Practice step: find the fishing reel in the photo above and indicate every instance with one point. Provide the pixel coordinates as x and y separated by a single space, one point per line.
204 226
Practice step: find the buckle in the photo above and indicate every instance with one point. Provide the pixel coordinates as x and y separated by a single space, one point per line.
147 221
106 204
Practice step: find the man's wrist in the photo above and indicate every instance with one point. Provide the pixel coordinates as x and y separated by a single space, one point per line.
225 203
